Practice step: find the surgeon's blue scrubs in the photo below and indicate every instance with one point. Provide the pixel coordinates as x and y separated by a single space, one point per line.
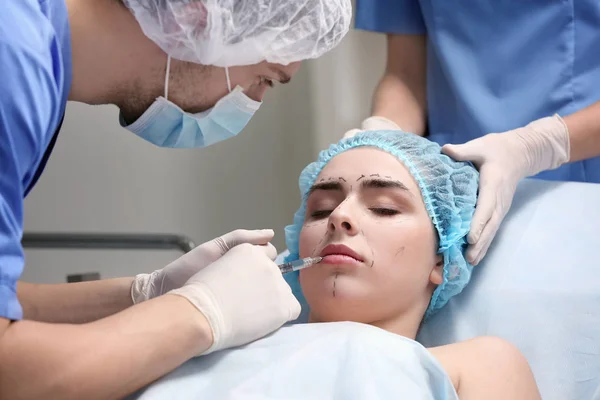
35 79
496 65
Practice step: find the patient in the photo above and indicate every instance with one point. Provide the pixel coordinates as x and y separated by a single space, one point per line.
389 215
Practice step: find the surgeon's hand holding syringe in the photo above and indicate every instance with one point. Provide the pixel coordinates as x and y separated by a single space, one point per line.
234 283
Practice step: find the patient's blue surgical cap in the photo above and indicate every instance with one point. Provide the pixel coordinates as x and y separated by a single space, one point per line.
448 187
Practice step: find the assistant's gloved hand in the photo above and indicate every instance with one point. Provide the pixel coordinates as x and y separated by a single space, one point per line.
242 295
503 159
174 275
373 124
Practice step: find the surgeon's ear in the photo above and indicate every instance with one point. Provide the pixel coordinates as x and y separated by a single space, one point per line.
437 273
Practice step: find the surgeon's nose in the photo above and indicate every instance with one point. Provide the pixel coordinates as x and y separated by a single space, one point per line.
342 220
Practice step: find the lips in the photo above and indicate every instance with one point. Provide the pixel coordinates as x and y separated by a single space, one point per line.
340 254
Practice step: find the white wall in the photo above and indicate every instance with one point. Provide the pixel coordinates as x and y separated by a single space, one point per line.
101 178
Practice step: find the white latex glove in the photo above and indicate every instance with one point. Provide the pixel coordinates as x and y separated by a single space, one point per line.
174 275
373 124
242 295
503 159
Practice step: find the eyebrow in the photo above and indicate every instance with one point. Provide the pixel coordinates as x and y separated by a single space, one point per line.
331 185
383 184
366 183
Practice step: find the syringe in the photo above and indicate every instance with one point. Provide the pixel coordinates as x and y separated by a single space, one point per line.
299 264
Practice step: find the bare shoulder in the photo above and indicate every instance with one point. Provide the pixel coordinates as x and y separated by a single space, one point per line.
487 367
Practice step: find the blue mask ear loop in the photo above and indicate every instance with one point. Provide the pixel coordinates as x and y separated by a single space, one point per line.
167 77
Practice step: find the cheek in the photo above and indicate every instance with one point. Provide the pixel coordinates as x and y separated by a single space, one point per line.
311 236
410 244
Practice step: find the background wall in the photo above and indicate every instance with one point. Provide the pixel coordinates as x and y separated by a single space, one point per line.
101 178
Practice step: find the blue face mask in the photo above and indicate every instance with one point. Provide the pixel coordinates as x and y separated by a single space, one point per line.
166 125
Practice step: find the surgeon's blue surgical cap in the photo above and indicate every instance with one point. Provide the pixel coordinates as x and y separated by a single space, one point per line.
228 33
449 189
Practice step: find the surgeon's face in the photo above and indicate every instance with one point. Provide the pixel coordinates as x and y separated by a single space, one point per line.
366 217
196 88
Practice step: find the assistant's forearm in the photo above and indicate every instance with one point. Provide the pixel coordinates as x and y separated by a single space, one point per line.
584 132
105 359
74 302
401 103
401 94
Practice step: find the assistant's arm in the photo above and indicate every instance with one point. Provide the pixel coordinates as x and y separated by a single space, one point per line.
584 132
74 302
401 94
106 359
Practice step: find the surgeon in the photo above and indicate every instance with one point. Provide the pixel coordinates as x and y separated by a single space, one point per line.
183 74
459 71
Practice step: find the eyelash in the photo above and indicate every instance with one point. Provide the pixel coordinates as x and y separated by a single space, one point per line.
320 214
384 212
387 212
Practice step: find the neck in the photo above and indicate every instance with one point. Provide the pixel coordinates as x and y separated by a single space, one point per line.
111 55
406 325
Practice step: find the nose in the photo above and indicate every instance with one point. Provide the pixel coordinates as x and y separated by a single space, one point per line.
343 220
256 92
293 67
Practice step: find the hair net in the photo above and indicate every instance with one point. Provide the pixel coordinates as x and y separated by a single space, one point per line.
449 190
227 33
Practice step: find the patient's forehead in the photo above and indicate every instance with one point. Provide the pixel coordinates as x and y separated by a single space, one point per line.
367 161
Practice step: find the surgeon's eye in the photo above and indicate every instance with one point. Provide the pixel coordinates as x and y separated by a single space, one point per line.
320 214
384 212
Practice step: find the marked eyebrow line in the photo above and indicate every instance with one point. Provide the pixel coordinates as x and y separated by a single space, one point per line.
384 183
329 185
369 183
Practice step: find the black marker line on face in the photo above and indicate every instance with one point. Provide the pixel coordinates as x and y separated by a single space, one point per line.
341 179
315 223
362 176
343 201
377 175
399 250
318 244
334 280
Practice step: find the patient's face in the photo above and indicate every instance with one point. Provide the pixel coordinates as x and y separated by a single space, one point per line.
366 216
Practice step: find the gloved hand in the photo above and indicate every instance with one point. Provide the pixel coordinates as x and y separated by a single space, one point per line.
373 124
242 295
503 159
174 275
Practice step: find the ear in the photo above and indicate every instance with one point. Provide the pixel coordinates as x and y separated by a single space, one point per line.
437 273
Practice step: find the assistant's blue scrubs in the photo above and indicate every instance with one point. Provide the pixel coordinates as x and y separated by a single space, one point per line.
35 79
496 65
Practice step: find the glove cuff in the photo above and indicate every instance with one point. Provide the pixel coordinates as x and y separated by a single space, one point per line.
205 301
547 140
141 288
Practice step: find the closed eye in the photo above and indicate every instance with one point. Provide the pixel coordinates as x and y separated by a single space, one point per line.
319 214
384 211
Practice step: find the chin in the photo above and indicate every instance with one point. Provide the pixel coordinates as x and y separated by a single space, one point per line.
345 305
